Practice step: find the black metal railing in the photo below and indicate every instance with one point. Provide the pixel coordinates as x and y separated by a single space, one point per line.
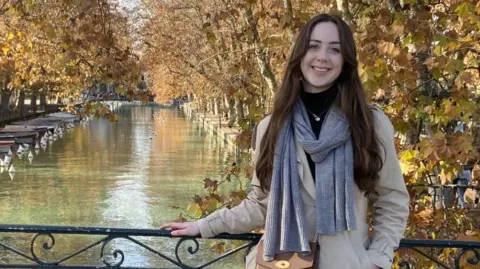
42 240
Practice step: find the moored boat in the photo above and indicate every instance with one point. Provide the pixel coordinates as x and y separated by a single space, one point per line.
66 117
19 137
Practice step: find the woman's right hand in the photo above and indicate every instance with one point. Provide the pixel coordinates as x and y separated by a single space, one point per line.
182 228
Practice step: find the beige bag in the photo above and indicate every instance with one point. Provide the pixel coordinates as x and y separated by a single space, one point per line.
290 260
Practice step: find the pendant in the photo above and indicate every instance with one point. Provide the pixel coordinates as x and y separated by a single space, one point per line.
317 119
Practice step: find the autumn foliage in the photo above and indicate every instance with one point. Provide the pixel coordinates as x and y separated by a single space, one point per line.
58 49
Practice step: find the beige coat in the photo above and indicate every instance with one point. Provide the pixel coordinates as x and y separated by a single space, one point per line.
347 250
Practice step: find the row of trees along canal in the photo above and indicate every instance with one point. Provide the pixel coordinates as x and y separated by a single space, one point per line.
57 49
419 63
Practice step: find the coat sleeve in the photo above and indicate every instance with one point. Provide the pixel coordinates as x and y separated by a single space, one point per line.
249 214
391 203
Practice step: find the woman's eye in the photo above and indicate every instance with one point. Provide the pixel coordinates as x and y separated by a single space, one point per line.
313 46
335 50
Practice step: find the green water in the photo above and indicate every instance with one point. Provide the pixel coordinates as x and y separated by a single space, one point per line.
139 172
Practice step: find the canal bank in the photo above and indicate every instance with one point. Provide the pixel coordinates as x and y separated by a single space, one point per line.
213 123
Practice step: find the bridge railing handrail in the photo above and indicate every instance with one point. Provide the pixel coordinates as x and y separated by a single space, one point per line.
466 249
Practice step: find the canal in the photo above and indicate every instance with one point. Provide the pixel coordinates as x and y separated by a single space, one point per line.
139 172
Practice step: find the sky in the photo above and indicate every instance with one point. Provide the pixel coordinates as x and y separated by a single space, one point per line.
128 3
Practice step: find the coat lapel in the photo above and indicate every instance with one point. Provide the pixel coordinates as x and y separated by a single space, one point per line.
304 171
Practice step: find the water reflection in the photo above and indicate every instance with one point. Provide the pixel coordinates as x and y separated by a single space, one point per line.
128 174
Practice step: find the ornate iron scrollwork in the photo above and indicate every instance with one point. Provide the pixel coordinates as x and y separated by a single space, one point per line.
115 254
45 246
44 236
473 260
404 265
190 250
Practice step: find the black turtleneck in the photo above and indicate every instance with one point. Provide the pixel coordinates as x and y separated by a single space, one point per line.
318 104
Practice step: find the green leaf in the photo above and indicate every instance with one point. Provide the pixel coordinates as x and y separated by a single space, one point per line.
465 9
211 37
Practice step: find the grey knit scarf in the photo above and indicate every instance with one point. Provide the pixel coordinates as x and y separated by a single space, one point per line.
333 157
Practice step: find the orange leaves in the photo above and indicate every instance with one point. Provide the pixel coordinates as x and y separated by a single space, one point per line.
388 48
398 29
462 142
218 247
236 197
463 79
431 63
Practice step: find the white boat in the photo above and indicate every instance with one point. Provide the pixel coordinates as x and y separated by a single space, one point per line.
66 117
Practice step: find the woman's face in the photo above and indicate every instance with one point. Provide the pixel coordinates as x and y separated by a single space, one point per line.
323 62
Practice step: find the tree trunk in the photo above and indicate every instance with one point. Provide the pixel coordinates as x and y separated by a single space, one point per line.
230 105
225 107
43 101
238 110
13 99
4 110
5 100
21 104
287 5
33 102
216 106
260 53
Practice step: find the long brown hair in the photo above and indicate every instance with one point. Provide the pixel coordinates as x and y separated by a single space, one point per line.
350 98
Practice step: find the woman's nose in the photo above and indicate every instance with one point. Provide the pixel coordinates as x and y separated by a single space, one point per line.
322 54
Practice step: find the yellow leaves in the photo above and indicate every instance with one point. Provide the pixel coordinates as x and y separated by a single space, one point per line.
466 39
438 50
407 167
449 109
210 205
10 36
5 50
465 9
409 155
194 210
15 83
